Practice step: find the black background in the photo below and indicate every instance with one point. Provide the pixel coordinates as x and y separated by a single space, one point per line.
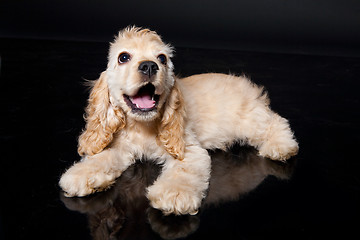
300 26
305 53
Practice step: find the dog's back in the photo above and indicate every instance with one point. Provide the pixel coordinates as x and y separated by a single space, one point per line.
220 106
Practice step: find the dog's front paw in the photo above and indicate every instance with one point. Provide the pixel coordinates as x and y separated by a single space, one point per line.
81 181
177 198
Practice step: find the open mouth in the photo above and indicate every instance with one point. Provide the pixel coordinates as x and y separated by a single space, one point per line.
144 100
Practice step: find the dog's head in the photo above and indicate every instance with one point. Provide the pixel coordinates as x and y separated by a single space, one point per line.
140 73
138 85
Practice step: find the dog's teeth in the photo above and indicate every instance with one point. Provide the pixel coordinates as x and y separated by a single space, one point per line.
152 98
137 105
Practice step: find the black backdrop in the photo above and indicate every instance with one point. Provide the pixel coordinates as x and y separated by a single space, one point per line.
42 98
301 26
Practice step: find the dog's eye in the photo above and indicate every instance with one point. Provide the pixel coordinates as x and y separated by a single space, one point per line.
124 57
162 58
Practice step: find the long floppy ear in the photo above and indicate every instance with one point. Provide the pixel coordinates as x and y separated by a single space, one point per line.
171 128
102 119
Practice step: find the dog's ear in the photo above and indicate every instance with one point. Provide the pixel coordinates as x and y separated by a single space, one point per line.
102 119
171 128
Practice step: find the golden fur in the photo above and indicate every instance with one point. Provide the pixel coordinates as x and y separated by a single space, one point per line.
103 120
183 118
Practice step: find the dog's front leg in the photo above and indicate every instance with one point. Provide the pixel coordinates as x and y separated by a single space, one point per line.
182 184
94 173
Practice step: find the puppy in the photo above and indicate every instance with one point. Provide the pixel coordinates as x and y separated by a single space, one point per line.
138 110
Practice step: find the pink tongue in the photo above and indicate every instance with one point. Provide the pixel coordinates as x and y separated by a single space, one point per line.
143 101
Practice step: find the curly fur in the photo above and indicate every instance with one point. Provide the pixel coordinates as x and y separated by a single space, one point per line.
171 129
103 120
183 118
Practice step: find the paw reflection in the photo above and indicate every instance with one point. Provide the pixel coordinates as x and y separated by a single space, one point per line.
171 226
124 212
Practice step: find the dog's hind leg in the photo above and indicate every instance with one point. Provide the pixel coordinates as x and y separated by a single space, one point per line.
271 134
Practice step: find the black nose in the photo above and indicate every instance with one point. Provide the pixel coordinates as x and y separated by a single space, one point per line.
148 68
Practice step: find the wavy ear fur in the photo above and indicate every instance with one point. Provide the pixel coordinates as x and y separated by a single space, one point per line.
171 128
102 120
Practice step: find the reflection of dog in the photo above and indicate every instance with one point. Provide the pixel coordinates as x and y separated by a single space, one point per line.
123 211
137 109
238 172
126 201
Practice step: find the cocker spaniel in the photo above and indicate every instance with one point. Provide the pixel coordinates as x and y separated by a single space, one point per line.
138 109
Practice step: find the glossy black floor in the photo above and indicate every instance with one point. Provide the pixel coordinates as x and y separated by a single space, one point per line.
315 196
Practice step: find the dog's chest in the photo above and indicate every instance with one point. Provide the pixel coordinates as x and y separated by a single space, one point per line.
141 144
